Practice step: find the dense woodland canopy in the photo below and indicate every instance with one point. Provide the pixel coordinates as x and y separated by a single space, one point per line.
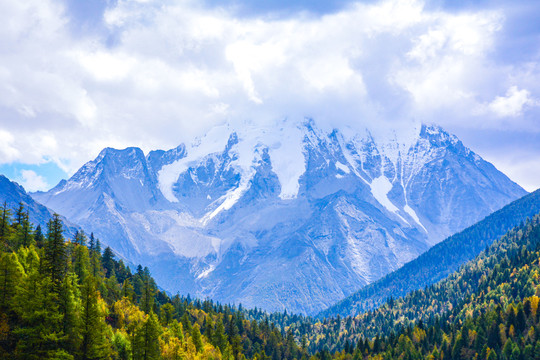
69 299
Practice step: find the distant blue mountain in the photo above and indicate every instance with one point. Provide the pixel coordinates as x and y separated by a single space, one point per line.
289 217
13 194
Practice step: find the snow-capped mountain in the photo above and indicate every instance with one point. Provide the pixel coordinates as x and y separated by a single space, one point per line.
286 217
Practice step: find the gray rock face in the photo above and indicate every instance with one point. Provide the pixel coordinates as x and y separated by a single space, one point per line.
292 218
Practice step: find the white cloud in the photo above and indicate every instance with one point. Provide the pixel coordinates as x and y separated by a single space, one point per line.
170 70
512 104
32 181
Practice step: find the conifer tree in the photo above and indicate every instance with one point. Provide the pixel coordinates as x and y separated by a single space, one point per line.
108 262
127 290
79 238
148 292
98 248
55 257
93 345
5 227
24 233
40 333
39 239
19 214
95 263
92 243
146 342
11 273
166 314
81 263
69 307
220 338
196 337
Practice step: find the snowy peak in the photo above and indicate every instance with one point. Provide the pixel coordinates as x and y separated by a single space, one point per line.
288 215
232 163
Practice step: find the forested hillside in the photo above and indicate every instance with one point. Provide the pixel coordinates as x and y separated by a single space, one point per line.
441 260
486 310
65 299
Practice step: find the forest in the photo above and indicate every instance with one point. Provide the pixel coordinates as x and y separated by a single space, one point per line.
70 299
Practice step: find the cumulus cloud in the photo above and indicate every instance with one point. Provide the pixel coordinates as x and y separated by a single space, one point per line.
512 104
32 181
167 71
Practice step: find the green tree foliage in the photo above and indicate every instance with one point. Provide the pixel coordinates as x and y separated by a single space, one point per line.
92 322
55 255
146 344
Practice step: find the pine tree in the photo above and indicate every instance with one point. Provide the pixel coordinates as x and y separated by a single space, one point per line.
40 333
69 307
95 263
39 239
11 273
92 243
25 237
5 227
98 248
196 337
166 313
81 263
79 238
108 262
148 292
146 342
220 338
93 345
55 257
127 290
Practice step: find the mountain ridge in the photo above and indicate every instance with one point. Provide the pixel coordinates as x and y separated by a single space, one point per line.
247 210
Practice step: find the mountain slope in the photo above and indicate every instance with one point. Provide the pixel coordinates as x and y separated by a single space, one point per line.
289 217
13 194
441 260
489 305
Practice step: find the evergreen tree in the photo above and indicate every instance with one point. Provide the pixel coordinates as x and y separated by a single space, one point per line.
108 262
11 273
79 238
40 333
146 342
5 227
97 249
55 256
39 239
148 292
81 263
196 337
69 307
93 344
92 243
127 290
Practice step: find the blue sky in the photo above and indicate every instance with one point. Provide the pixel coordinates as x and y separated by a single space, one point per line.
77 76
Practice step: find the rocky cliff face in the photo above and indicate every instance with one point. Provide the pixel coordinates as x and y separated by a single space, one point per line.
292 217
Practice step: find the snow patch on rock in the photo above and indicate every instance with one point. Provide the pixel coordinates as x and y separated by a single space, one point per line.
380 187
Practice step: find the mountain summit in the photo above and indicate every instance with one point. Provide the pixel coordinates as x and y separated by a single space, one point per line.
289 217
